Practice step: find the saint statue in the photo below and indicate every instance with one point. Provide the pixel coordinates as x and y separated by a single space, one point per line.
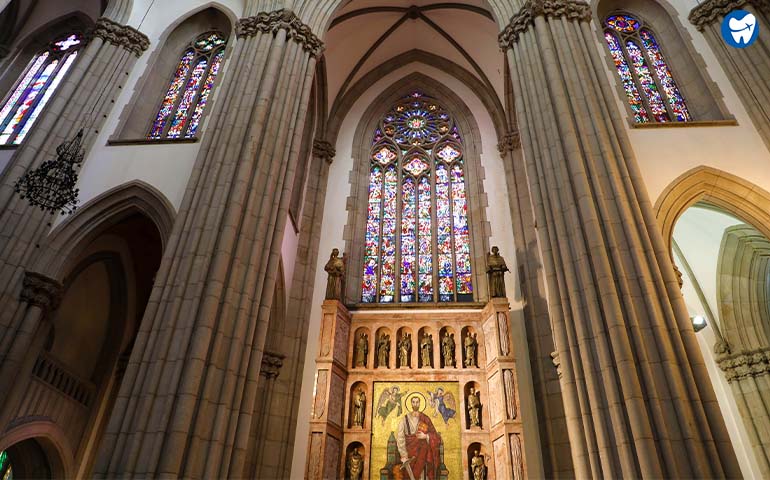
404 349
496 269
335 267
478 467
355 465
426 350
474 408
359 407
362 350
383 350
471 346
448 349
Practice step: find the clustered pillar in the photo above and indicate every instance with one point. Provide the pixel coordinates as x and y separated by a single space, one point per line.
747 68
636 394
186 404
87 94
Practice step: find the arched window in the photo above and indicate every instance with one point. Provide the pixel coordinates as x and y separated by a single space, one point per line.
182 107
417 239
646 77
29 96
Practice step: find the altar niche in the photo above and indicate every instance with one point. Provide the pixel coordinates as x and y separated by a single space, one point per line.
410 399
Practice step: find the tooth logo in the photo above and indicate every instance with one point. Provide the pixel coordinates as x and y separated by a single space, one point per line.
740 28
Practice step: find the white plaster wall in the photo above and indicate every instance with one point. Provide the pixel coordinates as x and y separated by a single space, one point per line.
664 154
338 190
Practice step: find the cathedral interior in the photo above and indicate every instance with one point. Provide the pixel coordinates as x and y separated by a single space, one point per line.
384 239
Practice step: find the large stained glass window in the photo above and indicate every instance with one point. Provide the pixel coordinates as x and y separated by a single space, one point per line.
417 240
180 112
29 96
644 73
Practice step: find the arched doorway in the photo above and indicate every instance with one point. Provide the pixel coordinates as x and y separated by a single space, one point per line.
25 459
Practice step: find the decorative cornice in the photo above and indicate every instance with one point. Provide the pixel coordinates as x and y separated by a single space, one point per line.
572 9
122 35
271 22
711 11
324 149
271 364
510 142
41 291
743 365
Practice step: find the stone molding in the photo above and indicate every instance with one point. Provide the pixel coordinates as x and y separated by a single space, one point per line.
271 364
711 11
41 291
324 149
271 22
742 365
520 22
121 35
510 142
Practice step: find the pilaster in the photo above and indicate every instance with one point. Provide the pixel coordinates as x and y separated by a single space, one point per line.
747 68
636 393
188 399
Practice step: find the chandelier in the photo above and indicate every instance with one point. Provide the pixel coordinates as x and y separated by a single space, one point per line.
51 186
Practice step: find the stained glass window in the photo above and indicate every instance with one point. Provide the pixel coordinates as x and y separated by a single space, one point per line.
34 89
417 243
182 107
647 80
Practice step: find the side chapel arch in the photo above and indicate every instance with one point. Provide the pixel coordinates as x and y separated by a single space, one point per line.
357 202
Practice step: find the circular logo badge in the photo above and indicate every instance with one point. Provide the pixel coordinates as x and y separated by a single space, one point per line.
740 28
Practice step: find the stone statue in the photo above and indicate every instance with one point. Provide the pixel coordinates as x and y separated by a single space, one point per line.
426 350
478 467
362 350
335 267
404 349
355 465
496 269
448 349
474 407
359 407
471 346
383 350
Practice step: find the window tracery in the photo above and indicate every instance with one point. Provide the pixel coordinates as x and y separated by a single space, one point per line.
188 94
417 238
647 80
34 89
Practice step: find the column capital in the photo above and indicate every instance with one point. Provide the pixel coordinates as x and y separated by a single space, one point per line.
744 364
324 149
711 11
41 291
271 22
271 364
520 22
121 35
511 141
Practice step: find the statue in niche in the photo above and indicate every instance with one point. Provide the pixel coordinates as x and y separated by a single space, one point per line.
383 350
496 269
474 407
335 267
355 465
448 349
404 349
471 345
478 467
362 350
359 407
426 350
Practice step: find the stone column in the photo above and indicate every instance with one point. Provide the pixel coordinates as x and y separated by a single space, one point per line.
747 68
636 393
186 404
87 94
506 431
326 420
40 295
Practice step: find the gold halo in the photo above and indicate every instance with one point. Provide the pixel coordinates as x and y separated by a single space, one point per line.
408 401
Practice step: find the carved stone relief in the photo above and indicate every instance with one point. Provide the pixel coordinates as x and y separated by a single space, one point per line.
502 327
510 394
319 407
